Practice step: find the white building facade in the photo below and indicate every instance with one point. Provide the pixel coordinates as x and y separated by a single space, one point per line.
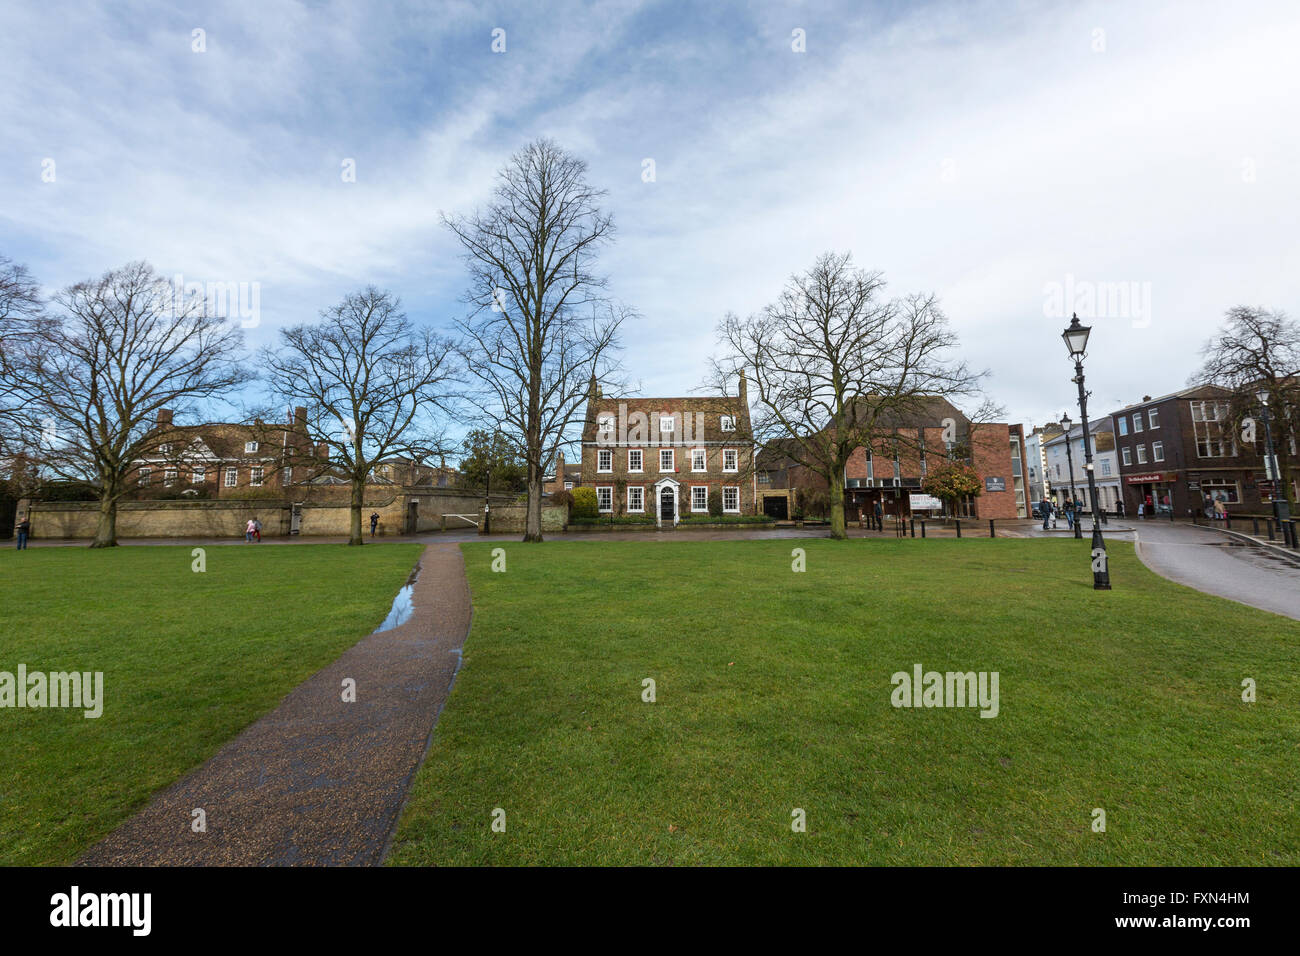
1105 466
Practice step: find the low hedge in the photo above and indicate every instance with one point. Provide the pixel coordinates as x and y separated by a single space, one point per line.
607 519
726 519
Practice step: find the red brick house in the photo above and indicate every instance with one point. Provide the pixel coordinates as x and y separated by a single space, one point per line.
669 457
222 459
567 476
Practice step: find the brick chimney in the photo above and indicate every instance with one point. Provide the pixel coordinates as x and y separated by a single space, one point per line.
743 390
300 418
164 417
559 470
323 451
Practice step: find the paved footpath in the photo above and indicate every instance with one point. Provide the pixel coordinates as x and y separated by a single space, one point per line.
318 781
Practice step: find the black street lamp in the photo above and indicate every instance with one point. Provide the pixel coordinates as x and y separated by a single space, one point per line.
1281 508
1076 341
1069 463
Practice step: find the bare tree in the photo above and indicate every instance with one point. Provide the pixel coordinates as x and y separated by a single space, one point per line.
124 346
1256 350
21 312
374 387
834 366
541 328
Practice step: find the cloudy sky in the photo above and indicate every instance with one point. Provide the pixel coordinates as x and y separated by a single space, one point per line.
1137 161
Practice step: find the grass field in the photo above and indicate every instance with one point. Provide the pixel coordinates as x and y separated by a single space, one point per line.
773 693
188 659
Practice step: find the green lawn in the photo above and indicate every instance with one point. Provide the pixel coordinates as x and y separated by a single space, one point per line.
188 659
773 693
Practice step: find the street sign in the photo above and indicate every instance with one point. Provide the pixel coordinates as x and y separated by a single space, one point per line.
924 502
995 484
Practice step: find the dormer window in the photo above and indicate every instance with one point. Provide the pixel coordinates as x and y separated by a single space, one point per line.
728 423
250 447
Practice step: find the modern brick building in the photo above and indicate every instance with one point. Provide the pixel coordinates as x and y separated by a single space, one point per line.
1176 449
668 457
894 468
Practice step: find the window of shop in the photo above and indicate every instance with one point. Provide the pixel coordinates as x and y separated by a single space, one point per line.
1226 491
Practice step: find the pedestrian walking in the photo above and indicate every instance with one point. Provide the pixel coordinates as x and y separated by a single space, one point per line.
374 522
24 531
1045 506
880 514
249 530
257 529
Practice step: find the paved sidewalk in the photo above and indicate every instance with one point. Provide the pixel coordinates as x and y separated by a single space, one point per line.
318 781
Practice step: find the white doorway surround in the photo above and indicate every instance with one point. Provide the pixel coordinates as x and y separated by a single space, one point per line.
667 500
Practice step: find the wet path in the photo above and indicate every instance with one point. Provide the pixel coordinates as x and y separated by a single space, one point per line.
318 780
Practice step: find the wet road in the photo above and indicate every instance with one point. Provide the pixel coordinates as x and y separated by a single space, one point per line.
1217 564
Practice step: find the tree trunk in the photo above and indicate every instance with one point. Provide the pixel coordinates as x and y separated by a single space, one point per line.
837 505
533 522
358 497
106 530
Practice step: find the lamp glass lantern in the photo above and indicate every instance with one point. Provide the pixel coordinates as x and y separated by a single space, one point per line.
1076 337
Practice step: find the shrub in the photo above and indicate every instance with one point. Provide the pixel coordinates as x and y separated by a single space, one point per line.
727 519
562 498
68 491
584 503
715 503
604 520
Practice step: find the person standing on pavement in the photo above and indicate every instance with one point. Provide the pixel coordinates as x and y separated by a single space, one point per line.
880 514
248 531
1045 506
374 522
24 531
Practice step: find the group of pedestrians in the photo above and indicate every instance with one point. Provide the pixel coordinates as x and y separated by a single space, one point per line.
253 531
1050 512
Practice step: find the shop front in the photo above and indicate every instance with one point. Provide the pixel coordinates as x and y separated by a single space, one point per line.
1154 491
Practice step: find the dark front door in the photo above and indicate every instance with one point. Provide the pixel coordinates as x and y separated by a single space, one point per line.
778 508
666 504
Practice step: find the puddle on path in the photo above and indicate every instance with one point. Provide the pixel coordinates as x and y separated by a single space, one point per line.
402 607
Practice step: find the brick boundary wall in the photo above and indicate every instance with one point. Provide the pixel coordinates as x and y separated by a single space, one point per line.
218 518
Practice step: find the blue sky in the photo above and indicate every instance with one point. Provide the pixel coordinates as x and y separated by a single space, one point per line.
982 151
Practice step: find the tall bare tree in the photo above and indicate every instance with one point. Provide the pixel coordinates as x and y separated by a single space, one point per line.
122 347
540 327
1258 349
21 311
834 366
374 386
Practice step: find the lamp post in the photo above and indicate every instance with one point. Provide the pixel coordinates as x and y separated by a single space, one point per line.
1069 463
1281 508
1076 342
